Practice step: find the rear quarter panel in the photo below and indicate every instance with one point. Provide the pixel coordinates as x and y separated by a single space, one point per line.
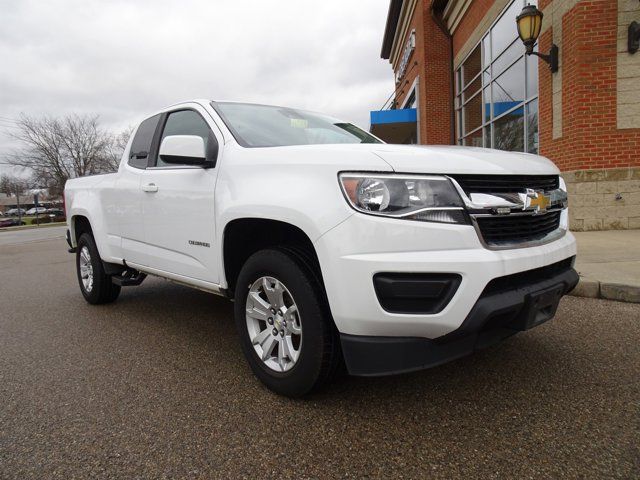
87 197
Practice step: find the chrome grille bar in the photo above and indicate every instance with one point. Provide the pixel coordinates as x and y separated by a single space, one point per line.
514 219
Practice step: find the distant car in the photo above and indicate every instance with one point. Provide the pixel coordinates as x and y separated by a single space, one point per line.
9 222
55 211
14 212
36 210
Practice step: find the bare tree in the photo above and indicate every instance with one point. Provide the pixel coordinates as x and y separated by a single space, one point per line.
12 185
118 144
58 149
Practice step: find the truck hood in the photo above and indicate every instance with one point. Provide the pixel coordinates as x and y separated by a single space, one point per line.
405 159
452 160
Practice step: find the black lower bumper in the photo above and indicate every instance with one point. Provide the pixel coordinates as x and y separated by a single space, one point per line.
506 306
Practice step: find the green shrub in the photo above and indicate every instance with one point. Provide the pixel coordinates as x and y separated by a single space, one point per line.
41 220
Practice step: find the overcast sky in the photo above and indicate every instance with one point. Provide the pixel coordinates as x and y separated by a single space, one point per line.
125 59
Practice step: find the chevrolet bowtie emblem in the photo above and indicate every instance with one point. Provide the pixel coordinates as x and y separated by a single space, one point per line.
536 200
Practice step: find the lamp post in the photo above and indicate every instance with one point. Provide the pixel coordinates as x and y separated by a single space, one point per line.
529 25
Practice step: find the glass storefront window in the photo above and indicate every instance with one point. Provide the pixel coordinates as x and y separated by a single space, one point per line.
532 76
504 31
472 89
504 114
411 101
511 54
532 127
473 113
508 89
486 105
508 131
486 50
474 140
472 66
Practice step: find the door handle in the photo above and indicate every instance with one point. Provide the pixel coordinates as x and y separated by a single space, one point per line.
150 188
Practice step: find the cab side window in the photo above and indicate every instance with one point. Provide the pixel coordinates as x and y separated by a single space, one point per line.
141 145
188 122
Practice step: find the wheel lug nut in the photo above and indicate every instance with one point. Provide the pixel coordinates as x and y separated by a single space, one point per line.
270 321
280 313
282 333
274 331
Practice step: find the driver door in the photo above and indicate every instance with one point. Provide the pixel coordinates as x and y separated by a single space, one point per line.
178 204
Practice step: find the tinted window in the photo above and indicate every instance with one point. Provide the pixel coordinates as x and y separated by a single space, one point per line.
141 145
187 122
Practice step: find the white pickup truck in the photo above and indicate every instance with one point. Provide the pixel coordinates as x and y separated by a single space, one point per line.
335 246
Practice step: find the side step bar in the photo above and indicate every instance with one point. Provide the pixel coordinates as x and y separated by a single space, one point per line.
129 278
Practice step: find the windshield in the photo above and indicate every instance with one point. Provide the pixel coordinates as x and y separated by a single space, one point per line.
268 126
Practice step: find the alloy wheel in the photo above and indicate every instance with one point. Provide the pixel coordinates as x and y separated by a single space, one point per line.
273 324
86 269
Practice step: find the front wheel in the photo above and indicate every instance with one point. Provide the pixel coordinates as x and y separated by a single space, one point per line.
96 286
285 328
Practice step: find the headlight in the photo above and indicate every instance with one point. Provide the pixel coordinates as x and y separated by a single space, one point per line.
424 198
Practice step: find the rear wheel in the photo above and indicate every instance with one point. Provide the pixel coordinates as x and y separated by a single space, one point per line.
96 286
285 329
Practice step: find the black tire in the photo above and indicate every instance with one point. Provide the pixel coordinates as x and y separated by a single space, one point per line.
103 289
319 350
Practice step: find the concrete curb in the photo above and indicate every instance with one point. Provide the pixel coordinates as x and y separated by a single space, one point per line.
606 290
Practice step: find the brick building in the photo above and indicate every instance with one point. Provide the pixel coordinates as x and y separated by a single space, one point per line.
462 77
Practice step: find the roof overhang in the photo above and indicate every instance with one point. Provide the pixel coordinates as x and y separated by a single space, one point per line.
393 16
452 11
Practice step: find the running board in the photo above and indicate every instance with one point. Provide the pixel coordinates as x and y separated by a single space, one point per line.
129 278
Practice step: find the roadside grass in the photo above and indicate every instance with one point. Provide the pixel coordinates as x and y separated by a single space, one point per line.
27 227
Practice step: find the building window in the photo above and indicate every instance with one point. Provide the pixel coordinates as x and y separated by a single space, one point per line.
497 90
411 100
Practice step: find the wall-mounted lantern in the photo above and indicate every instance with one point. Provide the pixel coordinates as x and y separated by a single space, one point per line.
529 25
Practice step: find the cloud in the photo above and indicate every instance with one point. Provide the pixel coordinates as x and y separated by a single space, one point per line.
125 59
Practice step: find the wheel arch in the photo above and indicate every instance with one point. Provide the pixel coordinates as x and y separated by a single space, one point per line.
242 237
78 225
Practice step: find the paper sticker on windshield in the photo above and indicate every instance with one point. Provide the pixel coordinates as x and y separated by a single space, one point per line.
299 123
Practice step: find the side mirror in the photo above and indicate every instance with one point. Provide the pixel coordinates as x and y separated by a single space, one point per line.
184 150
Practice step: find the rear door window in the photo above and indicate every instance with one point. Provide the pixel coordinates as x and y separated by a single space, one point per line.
141 145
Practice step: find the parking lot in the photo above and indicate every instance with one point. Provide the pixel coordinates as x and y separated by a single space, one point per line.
155 386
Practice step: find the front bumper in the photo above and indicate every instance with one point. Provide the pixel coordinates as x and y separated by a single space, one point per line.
353 252
506 306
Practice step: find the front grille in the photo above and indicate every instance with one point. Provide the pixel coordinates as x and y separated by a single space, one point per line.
513 229
506 183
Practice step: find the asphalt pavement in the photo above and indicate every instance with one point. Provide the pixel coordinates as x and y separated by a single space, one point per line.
155 386
27 235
